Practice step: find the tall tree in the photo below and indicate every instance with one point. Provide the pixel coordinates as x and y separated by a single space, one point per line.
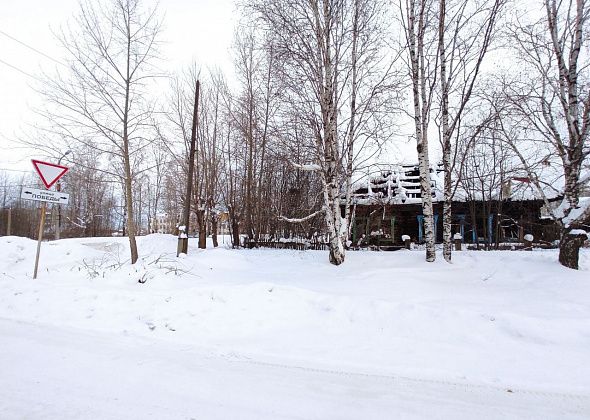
417 18
554 100
309 38
465 32
329 62
101 101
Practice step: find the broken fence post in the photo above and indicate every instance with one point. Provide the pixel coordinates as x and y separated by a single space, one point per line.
457 238
528 242
182 247
407 243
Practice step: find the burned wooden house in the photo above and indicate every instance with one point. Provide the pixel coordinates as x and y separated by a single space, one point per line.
388 205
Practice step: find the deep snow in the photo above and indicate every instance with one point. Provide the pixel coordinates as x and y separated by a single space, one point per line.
225 333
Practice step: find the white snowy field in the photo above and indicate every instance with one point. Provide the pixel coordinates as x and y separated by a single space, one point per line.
273 334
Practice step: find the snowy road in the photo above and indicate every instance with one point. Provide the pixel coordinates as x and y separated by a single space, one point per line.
52 373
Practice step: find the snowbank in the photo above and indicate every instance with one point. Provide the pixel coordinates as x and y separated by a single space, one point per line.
502 319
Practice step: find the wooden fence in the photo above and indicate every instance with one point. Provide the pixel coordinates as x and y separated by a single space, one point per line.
297 245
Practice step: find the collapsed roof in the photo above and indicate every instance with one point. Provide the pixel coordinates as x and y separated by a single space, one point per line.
400 184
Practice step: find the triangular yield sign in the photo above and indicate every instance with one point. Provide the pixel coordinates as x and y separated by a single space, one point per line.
49 172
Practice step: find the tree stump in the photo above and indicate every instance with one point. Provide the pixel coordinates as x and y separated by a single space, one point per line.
569 247
182 247
528 242
407 241
457 238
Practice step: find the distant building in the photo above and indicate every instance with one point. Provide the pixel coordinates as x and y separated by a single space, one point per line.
165 223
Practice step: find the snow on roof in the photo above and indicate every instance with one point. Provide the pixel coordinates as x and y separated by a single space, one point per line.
551 180
394 184
400 184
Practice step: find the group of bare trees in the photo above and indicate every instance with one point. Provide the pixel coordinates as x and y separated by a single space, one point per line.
100 101
538 118
320 86
525 120
336 81
553 102
446 42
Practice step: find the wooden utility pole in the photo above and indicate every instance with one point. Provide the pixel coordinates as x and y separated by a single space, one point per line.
183 242
40 238
9 221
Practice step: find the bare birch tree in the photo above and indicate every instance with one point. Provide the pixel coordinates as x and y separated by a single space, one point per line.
554 100
465 32
329 61
309 38
418 17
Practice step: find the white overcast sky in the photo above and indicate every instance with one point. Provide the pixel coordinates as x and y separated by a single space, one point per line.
198 31
194 30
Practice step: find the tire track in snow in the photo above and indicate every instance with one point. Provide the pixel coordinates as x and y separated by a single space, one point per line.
236 358
228 383
465 386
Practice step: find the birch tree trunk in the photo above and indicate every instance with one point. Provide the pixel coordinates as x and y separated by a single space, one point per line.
421 92
470 28
446 135
352 127
331 156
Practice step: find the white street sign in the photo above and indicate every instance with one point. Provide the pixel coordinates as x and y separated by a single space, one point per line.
44 195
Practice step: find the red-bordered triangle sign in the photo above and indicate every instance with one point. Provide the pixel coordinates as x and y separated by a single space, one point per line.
49 172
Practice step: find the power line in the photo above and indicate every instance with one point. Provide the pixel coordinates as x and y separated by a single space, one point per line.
31 48
20 71
14 170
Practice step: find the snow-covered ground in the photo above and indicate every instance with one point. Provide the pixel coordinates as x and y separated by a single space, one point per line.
273 334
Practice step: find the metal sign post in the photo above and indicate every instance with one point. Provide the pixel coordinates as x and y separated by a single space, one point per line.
49 174
40 238
9 222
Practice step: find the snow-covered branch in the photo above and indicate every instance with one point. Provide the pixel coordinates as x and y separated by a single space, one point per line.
311 167
584 179
303 219
578 215
81 225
